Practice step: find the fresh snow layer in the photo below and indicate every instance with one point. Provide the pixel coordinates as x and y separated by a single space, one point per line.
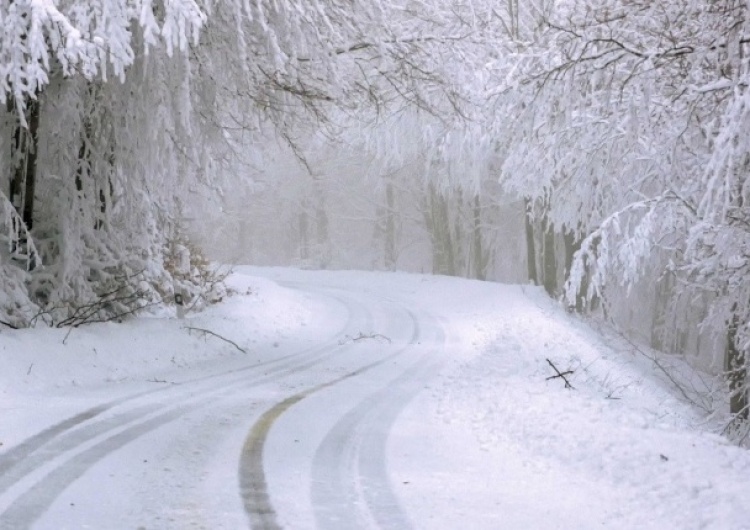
477 436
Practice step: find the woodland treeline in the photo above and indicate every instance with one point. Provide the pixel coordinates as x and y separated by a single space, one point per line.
599 149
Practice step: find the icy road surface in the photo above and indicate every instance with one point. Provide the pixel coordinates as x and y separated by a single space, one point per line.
353 400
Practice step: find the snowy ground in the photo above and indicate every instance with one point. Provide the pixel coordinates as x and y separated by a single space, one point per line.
359 400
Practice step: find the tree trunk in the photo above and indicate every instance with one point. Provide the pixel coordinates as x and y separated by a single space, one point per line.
31 162
513 18
24 161
437 221
661 300
572 244
550 260
530 247
322 233
24 152
736 368
304 239
479 257
84 173
581 303
389 243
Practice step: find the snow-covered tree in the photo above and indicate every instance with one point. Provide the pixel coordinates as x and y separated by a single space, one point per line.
629 129
116 109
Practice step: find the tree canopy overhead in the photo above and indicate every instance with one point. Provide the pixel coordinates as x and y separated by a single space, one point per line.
117 110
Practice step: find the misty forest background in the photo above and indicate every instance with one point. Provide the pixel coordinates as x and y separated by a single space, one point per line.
600 149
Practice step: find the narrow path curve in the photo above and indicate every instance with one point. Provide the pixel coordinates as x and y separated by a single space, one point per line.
42 474
252 479
350 484
348 469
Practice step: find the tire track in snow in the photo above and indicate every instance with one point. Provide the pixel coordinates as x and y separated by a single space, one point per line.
252 479
72 433
28 507
17 453
68 438
24 449
20 451
349 465
25 510
350 480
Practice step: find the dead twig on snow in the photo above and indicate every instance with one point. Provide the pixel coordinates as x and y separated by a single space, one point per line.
209 332
561 375
155 380
362 336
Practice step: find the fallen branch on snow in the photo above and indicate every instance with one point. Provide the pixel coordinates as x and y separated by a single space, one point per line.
209 332
155 380
372 336
11 326
560 375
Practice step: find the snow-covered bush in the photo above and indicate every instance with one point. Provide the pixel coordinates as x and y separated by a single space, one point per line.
95 166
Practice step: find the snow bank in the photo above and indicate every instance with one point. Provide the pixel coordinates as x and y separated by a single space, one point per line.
619 450
111 359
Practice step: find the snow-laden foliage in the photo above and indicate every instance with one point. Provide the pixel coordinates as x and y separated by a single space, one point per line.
631 135
658 79
623 126
117 111
92 38
106 161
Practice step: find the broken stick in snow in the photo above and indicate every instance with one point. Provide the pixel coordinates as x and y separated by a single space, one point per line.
560 375
209 332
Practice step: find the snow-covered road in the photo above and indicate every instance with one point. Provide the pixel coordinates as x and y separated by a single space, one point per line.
319 454
232 446
361 400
